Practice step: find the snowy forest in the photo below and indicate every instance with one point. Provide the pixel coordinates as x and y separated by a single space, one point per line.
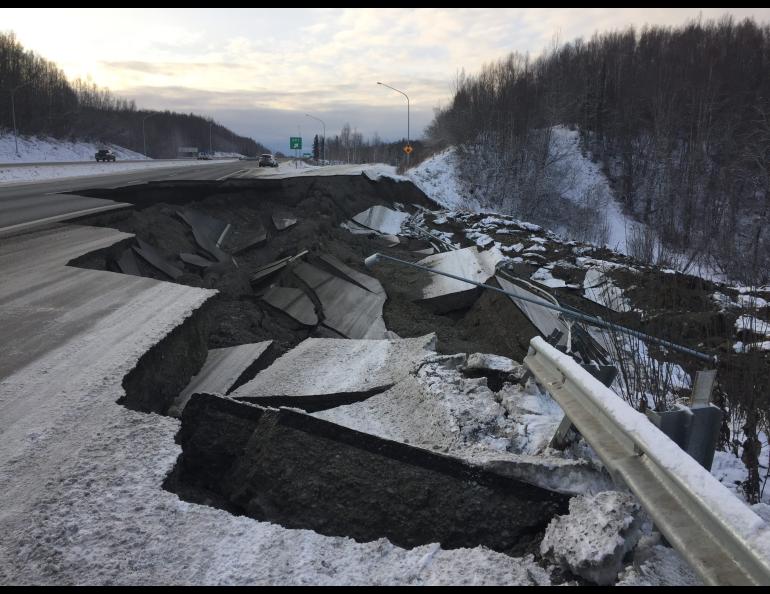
46 103
677 117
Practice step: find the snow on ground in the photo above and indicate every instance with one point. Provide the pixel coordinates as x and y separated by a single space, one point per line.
300 169
582 181
437 178
34 173
594 537
34 149
753 325
82 483
600 289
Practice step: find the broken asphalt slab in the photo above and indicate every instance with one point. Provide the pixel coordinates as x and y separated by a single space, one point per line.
326 372
348 309
442 293
290 468
220 372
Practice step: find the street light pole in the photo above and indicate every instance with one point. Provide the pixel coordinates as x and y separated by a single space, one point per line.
408 135
13 116
324 125
144 137
211 149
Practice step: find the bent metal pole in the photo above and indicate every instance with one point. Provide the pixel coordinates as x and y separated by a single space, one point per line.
593 321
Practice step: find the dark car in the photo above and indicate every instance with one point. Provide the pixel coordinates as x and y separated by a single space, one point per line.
267 160
105 155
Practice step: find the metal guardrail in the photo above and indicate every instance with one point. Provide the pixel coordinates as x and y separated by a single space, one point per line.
724 541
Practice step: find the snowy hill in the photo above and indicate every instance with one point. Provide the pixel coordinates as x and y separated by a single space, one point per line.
33 149
572 175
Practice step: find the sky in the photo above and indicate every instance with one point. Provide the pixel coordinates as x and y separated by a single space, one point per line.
259 71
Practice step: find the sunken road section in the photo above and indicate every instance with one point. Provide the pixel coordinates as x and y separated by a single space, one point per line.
296 289
291 468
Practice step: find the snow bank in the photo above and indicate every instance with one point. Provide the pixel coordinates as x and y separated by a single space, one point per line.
33 149
437 178
593 538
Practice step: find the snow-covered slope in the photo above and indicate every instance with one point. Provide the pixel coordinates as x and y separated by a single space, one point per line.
573 175
437 178
579 180
33 149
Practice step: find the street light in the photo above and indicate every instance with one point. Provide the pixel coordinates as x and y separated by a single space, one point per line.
211 149
13 114
144 138
408 140
324 125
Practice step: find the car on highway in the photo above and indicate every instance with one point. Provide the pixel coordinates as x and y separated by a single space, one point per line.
105 155
267 160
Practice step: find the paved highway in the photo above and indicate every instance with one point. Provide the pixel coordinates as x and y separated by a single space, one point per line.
23 205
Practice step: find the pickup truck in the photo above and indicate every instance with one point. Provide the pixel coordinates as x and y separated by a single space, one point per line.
104 155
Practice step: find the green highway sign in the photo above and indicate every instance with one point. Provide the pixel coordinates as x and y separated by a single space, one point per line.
295 142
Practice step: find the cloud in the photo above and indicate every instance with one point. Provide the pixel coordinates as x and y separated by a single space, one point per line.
293 60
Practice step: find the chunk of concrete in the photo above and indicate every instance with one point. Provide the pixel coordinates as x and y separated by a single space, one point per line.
195 260
489 362
382 219
127 263
344 271
206 231
293 302
328 372
444 294
219 373
348 309
545 320
240 239
153 257
593 538
287 467
268 270
283 222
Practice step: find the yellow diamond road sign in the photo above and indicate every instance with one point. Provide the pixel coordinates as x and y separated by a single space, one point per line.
408 149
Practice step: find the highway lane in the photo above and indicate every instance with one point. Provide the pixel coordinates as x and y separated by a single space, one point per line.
24 205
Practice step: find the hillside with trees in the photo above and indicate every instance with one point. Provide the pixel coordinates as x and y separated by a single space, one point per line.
679 119
47 104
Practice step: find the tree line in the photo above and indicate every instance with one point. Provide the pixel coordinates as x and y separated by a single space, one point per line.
349 146
46 103
678 116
